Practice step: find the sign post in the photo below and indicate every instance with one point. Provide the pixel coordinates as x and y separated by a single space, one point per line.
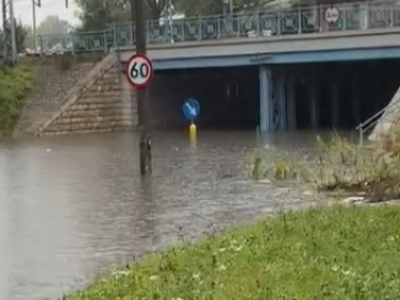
139 73
191 110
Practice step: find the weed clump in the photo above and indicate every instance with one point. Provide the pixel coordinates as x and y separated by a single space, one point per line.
339 165
278 165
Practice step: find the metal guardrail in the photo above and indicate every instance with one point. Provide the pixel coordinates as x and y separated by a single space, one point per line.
294 21
375 119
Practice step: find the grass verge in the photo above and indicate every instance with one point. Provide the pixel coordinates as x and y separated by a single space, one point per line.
330 253
15 84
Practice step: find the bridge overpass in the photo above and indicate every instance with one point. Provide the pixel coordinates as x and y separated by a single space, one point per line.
279 35
315 47
272 42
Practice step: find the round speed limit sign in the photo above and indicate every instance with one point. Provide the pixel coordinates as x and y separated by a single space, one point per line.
139 71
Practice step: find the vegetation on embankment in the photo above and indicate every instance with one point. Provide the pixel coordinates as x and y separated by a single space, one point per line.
15 83
330 253
338 165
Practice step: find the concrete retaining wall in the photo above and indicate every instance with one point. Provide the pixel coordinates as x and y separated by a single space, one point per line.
390 116
102 103
54 76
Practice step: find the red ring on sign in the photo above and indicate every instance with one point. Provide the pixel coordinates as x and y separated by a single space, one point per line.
149 67
330 8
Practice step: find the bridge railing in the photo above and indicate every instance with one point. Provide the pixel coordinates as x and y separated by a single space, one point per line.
273 22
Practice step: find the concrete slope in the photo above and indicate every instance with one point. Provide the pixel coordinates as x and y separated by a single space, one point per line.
389 117
52 82
100 103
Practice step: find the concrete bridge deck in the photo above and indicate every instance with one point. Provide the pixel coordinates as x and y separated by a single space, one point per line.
315 47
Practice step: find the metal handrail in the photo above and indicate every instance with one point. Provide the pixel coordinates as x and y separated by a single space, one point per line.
375 119
265 22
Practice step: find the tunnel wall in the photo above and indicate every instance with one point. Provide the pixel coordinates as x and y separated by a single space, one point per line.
226 99
165 96
325 96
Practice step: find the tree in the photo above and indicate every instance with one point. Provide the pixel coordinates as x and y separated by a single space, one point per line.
95 15
156 8
216 7
20 37
53 25
199 8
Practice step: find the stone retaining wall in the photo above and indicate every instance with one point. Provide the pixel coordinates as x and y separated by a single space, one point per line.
103 103
54 76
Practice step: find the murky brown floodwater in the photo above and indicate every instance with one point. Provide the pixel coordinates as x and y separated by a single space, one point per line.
73 206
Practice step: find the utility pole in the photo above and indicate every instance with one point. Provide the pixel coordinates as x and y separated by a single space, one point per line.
138 16
227 7
224 7
133 34
9 39
35 3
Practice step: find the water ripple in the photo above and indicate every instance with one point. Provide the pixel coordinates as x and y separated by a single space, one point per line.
73 206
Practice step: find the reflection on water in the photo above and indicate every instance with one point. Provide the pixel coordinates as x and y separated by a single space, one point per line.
73 206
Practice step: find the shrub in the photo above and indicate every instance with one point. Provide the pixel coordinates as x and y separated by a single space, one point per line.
272 164
15 84
339 165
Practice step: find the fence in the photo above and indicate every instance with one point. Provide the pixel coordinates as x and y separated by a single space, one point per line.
361 16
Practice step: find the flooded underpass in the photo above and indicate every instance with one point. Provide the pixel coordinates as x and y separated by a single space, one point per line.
341 95
332 95
73 206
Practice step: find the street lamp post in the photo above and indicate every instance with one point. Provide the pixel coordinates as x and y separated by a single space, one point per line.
224 7
170 19
9 39
227 7
35 3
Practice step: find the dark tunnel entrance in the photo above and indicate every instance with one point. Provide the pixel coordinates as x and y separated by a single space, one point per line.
228 97
346 93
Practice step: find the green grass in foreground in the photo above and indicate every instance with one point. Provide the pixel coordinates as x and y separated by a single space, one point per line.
325 253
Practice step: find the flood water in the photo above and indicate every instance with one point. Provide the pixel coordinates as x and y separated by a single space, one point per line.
73 206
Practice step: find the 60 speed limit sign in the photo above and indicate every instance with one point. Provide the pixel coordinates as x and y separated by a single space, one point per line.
139 71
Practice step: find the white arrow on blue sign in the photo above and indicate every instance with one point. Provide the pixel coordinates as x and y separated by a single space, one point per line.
191 109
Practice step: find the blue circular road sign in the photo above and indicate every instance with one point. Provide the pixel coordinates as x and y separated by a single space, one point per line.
191 109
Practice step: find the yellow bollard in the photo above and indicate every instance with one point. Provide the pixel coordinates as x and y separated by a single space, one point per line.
192 132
